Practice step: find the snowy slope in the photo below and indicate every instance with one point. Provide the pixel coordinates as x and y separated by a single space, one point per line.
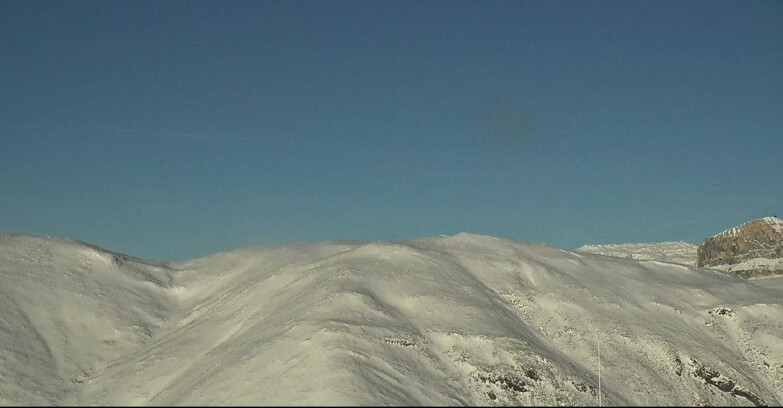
679 252
466 319
772 282
768 265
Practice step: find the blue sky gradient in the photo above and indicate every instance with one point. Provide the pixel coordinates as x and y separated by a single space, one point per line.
170 130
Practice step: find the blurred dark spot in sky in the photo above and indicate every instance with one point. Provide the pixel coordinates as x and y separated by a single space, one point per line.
510 125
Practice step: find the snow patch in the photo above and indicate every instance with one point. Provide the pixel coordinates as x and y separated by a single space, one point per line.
776 223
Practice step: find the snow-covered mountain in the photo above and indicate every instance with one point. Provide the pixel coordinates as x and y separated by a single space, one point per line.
679 252
752 249
460 320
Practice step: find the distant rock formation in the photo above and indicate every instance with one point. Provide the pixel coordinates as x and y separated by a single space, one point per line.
752 249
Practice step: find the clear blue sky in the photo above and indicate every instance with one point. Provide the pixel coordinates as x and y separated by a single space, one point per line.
170 130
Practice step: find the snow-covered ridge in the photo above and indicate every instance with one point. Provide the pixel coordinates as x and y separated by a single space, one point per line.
775 222
460 320
679 252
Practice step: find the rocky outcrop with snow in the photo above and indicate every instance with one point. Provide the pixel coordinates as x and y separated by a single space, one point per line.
679 252
459 320
752 249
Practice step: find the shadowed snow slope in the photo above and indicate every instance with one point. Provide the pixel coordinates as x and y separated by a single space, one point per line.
466 319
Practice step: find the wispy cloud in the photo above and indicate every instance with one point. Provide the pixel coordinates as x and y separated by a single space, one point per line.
201 137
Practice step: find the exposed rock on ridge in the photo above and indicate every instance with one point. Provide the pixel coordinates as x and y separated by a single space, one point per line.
754 248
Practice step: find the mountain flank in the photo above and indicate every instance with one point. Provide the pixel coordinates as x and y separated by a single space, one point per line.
455 320
752 249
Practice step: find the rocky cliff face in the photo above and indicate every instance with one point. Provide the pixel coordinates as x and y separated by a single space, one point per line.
749 250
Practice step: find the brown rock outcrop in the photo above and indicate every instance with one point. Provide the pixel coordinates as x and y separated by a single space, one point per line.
754 248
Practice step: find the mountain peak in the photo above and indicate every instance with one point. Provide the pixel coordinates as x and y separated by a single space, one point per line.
773 221
754 248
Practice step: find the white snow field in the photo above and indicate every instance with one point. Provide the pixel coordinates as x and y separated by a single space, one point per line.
679 252
459 320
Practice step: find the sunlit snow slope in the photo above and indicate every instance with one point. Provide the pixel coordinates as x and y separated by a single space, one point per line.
466 319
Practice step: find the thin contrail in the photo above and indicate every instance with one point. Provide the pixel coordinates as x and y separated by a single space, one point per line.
194 136
204 137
